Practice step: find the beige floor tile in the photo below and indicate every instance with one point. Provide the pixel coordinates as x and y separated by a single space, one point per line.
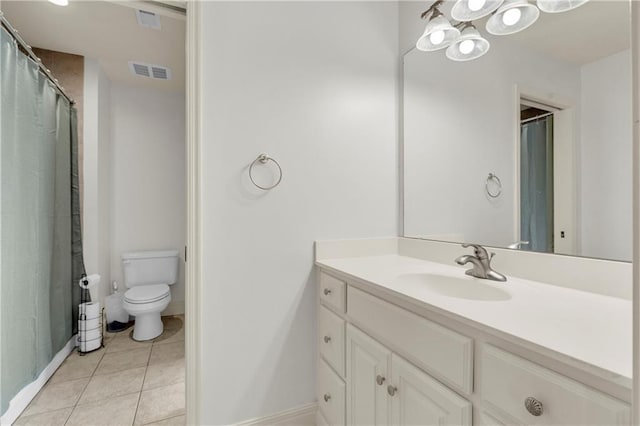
50 418
124 342
164 374
111 385
126 360
166 353
77 366
119 411
56 396
170 336
173 421
161 403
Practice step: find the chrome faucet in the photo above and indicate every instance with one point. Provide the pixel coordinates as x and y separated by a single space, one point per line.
518 244
481 264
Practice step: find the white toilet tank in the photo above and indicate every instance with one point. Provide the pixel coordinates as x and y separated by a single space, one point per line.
150 267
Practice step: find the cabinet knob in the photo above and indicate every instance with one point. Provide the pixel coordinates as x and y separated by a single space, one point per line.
327 339
391 390
533 406
326 397
380 380
327 291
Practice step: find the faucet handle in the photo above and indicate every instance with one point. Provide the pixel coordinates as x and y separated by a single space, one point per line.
479 251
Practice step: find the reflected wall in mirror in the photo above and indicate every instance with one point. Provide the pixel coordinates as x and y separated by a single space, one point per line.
528 146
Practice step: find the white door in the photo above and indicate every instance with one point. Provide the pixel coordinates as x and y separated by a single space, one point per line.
419 399
368 365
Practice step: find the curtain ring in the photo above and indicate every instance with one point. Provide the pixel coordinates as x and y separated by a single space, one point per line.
496 179
264 159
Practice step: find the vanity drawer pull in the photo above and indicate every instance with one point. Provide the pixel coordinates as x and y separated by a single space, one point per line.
326 397
332 292
380 380
391 390
327 339
533 406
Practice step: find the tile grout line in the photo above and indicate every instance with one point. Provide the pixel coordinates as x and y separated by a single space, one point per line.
85 386
135 415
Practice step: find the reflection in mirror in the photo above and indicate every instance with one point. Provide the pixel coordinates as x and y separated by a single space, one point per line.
529 146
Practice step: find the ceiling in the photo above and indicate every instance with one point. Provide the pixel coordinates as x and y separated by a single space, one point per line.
108 32
597 29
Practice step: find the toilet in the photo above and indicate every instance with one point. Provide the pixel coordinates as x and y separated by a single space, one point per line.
148 276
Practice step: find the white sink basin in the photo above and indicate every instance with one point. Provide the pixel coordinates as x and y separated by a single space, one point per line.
458 287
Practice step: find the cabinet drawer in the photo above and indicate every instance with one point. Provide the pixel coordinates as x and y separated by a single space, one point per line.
508 380
333 292
331 395
443 353
331 335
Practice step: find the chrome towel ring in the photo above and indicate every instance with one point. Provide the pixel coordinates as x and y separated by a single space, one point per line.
264 159
493 178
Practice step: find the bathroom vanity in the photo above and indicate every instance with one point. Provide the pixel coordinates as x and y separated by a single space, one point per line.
406 338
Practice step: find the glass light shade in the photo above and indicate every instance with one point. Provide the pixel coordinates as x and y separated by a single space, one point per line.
442 31
60 2
508 21
470 45
557 6
470 10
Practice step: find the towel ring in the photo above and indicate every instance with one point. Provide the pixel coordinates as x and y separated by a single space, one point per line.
496 179
264 159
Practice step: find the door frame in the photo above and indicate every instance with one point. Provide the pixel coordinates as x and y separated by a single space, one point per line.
557 103
193 248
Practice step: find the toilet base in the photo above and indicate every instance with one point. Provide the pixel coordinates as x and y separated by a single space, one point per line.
147 326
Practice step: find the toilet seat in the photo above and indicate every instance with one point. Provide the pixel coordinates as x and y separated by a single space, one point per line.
147 293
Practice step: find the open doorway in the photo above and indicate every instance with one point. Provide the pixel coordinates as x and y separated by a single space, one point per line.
124 64
546 219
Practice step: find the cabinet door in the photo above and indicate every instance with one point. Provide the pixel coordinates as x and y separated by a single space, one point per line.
367 379
418 399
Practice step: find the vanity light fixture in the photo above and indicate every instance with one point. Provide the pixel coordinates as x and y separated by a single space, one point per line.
507 17
470 45
513 16
439 33
470 10
60 2
557 6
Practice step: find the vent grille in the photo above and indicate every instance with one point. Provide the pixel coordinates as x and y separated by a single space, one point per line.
157 72
148 19
160 73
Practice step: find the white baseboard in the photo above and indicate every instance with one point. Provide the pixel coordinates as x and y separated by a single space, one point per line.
27 393
176 307
304 415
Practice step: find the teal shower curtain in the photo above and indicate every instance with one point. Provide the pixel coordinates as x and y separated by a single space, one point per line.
39 220
536 185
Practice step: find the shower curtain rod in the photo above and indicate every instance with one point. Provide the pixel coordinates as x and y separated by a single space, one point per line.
14 33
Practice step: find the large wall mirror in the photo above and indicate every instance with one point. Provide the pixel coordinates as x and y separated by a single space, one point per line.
529 146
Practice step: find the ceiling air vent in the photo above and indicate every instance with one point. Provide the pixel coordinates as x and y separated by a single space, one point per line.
148 19
152 71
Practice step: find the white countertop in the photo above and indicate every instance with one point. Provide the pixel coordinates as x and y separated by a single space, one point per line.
588 327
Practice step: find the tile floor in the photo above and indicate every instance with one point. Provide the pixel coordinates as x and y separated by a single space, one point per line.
124 383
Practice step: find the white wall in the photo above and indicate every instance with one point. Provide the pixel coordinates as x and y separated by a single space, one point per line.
148 195
314 85
459 127
97 172
606 147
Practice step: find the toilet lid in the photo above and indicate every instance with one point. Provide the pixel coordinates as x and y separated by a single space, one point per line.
146 293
